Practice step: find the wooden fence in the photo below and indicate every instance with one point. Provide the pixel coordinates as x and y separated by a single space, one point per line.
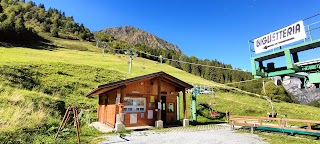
254 121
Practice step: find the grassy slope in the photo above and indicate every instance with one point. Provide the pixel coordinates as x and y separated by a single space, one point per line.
236 103
240 104
111 62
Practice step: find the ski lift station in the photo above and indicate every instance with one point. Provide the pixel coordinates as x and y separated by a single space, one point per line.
287 46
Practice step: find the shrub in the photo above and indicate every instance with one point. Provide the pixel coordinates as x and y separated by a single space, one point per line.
24 77
315 104
276 92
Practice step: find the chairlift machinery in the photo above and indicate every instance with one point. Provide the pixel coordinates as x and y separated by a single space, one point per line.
201 89
307 71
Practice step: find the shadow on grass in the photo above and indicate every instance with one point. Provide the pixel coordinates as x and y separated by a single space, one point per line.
193 123
206 123
314 127
38 42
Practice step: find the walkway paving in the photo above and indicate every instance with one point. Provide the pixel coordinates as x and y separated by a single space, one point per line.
192 128
101 127
204 134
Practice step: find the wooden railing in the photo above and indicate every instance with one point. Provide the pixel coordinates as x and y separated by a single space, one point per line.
254 121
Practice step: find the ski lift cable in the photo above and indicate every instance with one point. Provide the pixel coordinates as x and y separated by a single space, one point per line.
312 16
190 63
241 81
194 64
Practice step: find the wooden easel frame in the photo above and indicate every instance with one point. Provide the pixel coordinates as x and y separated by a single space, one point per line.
65 120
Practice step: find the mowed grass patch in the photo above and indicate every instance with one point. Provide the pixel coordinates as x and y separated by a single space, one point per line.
117 62
74 44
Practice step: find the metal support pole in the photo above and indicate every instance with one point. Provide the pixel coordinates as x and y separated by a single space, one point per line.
130 61
184 104
269 100
309 33
104 46
191 115
194 107
253 67
264 89
160 57
261 66
295 57
289 61
250 50
178 107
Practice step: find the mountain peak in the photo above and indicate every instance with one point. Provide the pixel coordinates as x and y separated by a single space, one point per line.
135 35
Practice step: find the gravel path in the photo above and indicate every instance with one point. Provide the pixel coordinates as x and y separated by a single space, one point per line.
214 136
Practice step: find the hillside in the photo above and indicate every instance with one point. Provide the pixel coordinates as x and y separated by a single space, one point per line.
36 86
135 36
21 22
30 25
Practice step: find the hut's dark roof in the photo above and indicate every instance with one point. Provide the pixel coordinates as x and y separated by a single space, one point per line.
113 85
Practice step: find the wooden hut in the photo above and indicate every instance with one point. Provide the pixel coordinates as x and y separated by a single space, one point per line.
141 101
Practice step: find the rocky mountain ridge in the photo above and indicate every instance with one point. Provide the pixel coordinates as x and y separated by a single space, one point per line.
134 35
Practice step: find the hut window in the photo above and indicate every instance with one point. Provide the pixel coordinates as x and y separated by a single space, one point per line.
134 104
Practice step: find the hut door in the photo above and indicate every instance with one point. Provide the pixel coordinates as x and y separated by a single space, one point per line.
163 109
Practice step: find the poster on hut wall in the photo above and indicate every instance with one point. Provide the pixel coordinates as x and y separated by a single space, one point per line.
171 107
150 114
133 118
151 99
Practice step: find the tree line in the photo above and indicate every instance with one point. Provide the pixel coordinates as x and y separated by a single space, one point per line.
210 73
20 21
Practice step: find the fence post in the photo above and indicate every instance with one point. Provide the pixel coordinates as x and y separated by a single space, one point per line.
232 124
254 125
227 116
284 122
309 125
260 121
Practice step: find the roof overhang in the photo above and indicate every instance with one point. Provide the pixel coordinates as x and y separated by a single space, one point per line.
114 85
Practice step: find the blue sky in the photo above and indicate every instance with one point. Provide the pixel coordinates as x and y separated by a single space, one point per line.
209 29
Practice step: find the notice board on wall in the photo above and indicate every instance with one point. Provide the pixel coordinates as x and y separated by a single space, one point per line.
150 114
151 99
133 118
